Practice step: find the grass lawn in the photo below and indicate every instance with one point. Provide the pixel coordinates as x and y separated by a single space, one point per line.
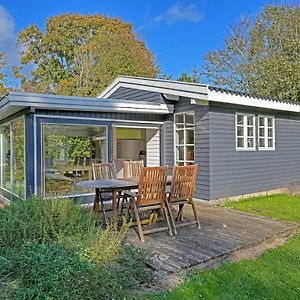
274 275
282 207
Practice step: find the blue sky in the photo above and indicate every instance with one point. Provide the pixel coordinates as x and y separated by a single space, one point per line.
179 33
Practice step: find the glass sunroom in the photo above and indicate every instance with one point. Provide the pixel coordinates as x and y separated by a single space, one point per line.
48 142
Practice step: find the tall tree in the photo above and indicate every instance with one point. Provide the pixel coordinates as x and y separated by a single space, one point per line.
261 55
80 55
3 79
194 77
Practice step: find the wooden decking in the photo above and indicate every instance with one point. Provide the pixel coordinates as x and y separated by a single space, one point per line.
224 231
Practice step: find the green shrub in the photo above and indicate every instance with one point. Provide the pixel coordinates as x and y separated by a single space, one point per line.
42 221
59 221
51 249
40 271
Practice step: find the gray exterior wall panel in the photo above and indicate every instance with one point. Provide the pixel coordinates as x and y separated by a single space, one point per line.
201 144
135 94
242 172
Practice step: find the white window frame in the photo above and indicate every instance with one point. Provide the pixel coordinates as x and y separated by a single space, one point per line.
184 145
245 136
266 136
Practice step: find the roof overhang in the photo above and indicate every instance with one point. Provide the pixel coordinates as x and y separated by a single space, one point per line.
198 93
172 90
15 102
242 100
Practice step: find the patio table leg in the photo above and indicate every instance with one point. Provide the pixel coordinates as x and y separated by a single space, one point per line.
97 204
115 208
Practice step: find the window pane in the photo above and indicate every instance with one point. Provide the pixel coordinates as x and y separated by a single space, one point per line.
250 131
189 118
180 137
250 120
189 153
180 153
262 142
262 132
240 119
270 132
270 143
250 142
240 142
189 136
68 151
18 159
240 131
261 121
6 158
179 118
270 122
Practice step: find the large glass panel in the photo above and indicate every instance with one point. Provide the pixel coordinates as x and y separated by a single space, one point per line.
6 158
18 159
68 152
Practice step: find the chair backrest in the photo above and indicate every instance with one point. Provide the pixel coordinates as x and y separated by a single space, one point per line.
183 182
132 169
152 186
104 171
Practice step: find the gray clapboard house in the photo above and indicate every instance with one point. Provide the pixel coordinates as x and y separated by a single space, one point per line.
242 144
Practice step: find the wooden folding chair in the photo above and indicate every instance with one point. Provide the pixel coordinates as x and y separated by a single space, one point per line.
181 193
104 171
151 196
132 168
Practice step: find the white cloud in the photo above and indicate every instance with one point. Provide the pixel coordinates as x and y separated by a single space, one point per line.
7 28
178 13
8 37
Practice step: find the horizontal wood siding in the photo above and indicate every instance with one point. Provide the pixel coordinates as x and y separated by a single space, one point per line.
138 95
201 144
153 147
105 115
234 172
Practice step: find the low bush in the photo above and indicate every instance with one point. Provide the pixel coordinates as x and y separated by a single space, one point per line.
51 249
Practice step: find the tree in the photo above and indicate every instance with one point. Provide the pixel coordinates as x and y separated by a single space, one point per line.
194 78
80 55
261 55
3 79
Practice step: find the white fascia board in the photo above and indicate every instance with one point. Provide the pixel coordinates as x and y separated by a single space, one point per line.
9 105
252 101
160 86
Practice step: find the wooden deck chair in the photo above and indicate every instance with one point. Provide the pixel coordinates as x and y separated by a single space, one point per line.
104 171
151 196
132 169
181 193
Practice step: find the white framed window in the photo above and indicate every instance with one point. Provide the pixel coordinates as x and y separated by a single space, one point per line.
184 138
245 132
266 133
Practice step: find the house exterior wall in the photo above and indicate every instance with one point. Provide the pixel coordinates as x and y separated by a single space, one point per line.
167 134
234 172
80 118
201 144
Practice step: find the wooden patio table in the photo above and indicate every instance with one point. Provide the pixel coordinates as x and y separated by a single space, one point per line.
114 186
109 185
